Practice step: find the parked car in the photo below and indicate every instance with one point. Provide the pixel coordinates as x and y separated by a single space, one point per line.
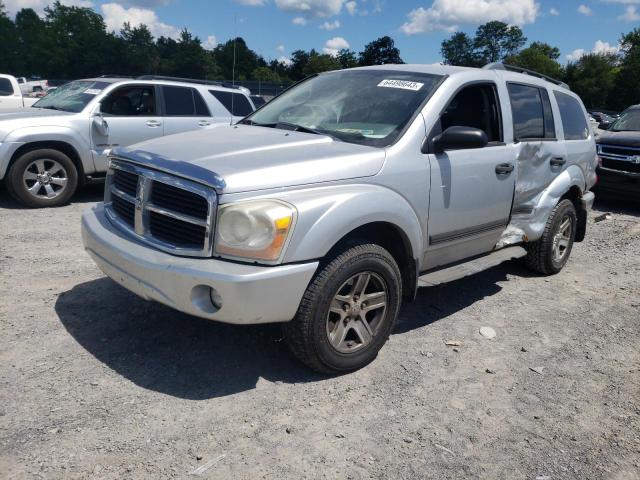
339 198
619 152
31 86
64 141
11 97
258 100
602 119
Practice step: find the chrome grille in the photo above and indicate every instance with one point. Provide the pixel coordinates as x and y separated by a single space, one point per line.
170 213
618 157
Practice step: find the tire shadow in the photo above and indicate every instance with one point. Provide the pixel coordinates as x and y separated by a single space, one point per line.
161 349
93 192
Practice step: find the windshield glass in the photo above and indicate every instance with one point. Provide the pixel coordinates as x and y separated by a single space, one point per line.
628 121
368 107
71 97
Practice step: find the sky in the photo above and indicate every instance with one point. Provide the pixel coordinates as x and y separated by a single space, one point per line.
275 28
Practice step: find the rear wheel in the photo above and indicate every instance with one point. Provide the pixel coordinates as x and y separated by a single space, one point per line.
550 253
348 311
42 178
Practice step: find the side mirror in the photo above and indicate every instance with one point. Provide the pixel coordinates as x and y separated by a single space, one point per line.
100 124
460 138
604 125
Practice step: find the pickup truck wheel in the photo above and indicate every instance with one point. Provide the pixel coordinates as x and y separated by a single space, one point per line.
551 252
348 311
42 178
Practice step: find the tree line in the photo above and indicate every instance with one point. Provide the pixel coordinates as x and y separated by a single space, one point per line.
603 80
73 42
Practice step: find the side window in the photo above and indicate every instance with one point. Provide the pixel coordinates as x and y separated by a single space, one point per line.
574 121
549 125
475 106
184 102
130 101
527 112
5 87
236 103
201 107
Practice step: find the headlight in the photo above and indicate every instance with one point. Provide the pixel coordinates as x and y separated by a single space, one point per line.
255 230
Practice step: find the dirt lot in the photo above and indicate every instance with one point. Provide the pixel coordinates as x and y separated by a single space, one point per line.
97 383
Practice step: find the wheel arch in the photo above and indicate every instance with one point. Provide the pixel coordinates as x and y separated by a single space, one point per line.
61 146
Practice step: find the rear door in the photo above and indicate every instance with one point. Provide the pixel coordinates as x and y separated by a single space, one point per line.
131 113
541 157
236 103
471 189
184 110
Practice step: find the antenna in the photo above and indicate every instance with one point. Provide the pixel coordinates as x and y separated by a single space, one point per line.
233 66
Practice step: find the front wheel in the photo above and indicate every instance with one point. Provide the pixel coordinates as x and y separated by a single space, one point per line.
551 252
42 178
348 311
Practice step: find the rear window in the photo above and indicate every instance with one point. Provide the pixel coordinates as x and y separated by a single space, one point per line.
183 102
236 103
574 121
5 87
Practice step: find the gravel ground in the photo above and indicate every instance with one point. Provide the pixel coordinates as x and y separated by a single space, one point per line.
97 383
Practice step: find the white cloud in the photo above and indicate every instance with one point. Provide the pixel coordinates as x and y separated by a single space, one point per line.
251 3
330 25
599 47
311 8
280 48
448 14
583 9
334 45
554 12
14 6
299 21
351 7
210 43
115 15
630 14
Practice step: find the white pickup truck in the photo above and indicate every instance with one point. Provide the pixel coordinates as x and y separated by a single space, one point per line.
11 96
32 86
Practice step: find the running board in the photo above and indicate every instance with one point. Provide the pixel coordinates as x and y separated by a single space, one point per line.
471 267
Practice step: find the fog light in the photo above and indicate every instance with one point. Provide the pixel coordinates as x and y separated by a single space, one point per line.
216 299
206 299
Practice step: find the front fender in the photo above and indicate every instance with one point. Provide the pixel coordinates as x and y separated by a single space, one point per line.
327 214
51 133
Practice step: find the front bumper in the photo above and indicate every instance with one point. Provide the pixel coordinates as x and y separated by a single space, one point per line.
618 183
249 294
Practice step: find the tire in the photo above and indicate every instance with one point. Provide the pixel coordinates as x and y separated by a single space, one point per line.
330 340
51 169
550 253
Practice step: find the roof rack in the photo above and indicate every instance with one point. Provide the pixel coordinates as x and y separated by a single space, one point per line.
187 80
109 75
526 71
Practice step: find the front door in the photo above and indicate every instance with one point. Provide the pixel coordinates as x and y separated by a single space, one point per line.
471 189
131 116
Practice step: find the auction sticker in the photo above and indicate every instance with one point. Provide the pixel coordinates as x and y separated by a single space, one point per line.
403 84
92 91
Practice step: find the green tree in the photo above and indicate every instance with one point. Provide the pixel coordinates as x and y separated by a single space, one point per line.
593 78
141 52
31 35
459 50
380 52
265 74
627 81
496 40
246 60
347 58
299 62
319 63
9 46
540 57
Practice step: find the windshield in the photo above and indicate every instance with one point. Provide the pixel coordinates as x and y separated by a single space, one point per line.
628 121
368 107
71 97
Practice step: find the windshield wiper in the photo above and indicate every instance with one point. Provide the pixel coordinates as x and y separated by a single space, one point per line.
290 126
53 107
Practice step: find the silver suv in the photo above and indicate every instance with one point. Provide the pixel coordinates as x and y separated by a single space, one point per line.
47 152
339 198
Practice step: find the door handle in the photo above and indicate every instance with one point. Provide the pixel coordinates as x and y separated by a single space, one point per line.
204 123
557 161
153 123
504 168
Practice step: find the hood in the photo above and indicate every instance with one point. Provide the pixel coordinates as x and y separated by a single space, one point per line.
11 120
625 139
249 158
